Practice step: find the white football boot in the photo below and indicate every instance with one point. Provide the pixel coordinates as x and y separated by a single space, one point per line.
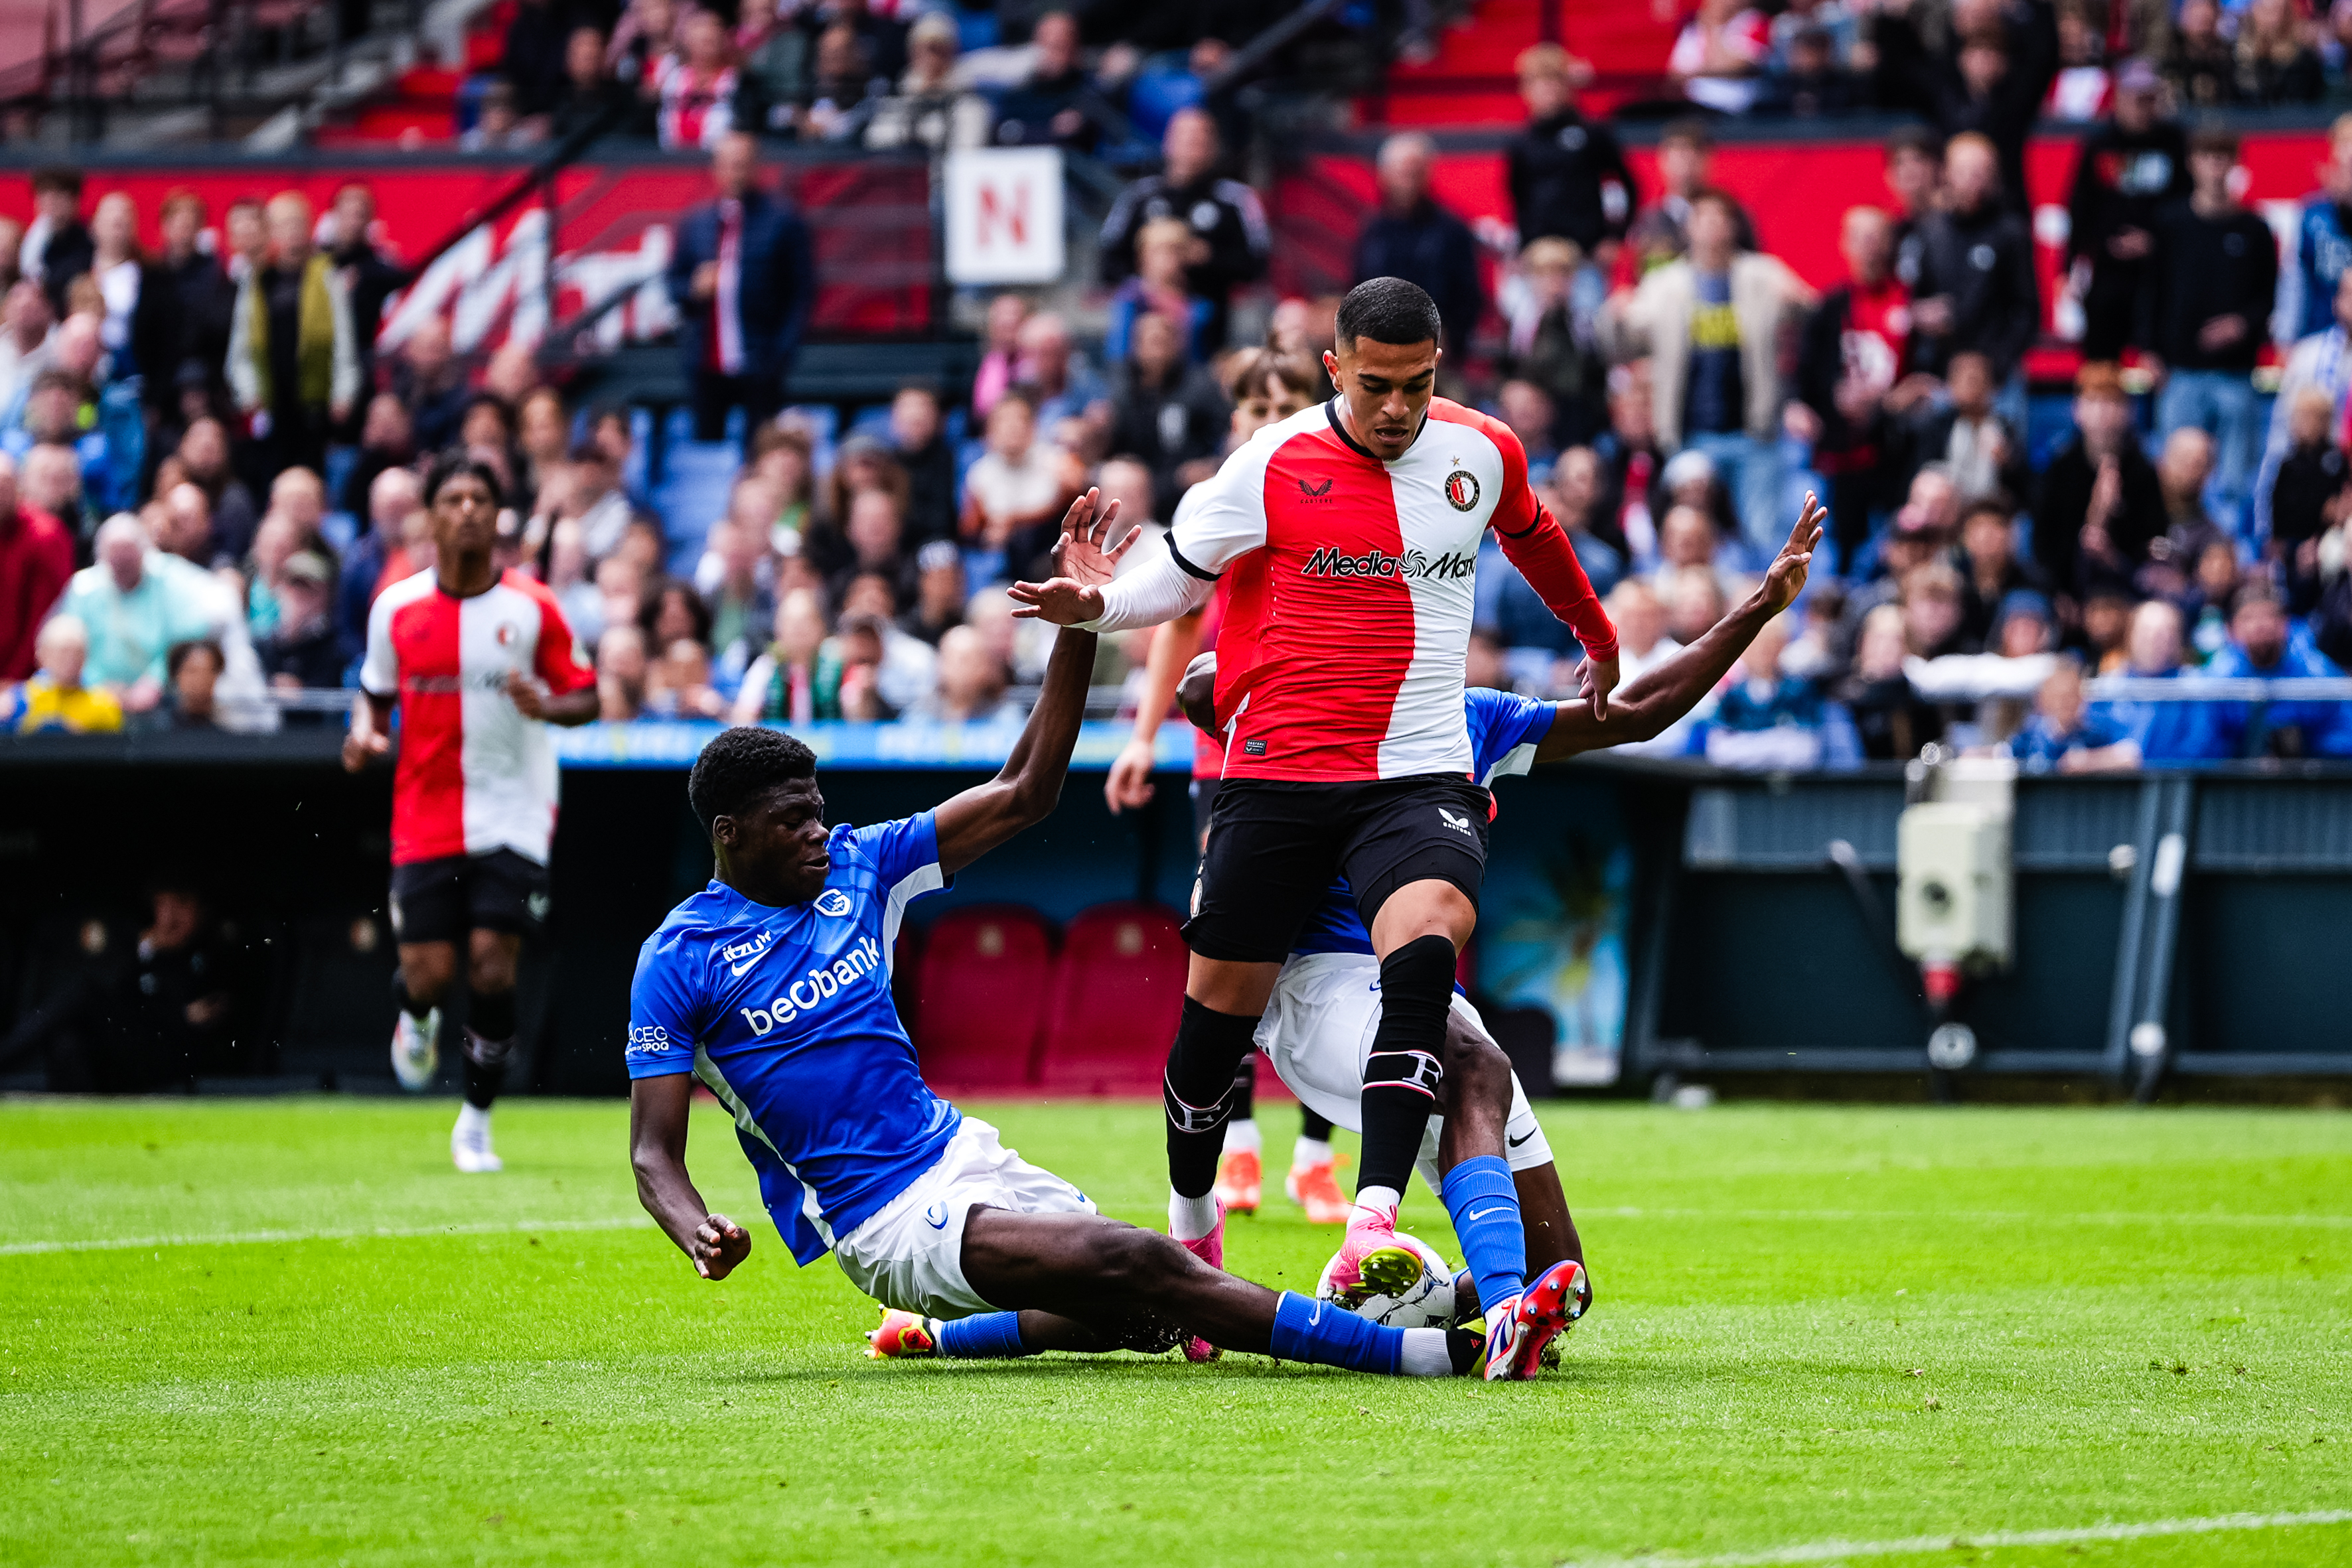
417 1050
470 1143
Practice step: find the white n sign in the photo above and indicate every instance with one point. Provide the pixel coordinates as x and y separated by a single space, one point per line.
1004 215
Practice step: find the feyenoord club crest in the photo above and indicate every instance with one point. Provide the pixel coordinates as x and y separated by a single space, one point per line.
1462 489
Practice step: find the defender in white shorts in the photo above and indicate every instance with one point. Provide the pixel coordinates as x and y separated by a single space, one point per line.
1318 1029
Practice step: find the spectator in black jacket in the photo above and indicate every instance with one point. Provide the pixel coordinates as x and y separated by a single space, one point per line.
1915 178
589 95
2277 64
1983 452
1167 411
370 277
1566 174
2201 67
2212 281
1051 109
533 59
1854 383
1414 238
1990 81
1813 84
1230 240
1977 288
2309 495
2101 500
57 247
196 300
918 435
2131 165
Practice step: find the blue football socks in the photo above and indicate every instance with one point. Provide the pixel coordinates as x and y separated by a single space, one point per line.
1485 1205
990 1336
1329 1335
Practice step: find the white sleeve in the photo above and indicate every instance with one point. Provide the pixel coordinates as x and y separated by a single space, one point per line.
1160 590
1223 519
380 670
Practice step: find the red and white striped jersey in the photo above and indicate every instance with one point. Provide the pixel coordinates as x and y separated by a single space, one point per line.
1348 620
474 774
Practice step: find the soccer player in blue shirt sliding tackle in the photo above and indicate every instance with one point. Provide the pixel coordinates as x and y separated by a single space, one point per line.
1486 1155
771 987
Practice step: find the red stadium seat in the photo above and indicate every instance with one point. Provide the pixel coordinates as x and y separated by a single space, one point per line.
980 997
1117 993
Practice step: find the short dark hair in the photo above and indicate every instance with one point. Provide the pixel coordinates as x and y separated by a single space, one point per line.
455 465
1689 129
182 652
2212 136
1914 139
492 400
1389 310
740 765
57 177
1987 505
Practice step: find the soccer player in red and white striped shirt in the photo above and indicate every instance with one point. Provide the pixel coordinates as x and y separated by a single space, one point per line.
480 663
1350 533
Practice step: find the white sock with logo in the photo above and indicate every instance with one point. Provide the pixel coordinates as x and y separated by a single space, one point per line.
1375 1204
473 1120
1190 1219
1307 1152
1242 1134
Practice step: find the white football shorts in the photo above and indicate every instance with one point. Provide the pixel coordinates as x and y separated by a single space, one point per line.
909 1253
1318 1031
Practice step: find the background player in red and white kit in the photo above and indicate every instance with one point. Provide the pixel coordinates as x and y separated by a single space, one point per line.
1265 388
480 663
1351 531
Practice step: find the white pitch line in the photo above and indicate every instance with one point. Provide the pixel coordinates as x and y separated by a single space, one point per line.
368 1233
1978 1216
1842 1551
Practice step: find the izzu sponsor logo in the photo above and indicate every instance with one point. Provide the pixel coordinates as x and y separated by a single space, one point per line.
816 987
1452 566
741 956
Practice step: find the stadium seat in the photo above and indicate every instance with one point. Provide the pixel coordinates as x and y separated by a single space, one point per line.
1117 993
980 997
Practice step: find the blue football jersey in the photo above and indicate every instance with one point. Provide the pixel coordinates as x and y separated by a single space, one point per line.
785 1015
1504 730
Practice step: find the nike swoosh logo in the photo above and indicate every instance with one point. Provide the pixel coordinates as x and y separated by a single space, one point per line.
1486 1213
1522 1138
737 969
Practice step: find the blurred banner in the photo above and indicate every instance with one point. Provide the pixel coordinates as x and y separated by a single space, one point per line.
870 218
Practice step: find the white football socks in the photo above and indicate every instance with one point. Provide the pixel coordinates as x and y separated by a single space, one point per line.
473 1118
1375 1204
1190 1219
1242 1134
1425 1355
1307 1153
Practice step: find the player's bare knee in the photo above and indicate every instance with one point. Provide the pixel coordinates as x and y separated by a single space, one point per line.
490 963
426 969
1473 1061
1131 1259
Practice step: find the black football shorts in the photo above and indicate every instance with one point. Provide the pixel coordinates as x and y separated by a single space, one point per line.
1275 847
442 900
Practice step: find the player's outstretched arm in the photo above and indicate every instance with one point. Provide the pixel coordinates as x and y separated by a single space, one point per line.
977 820
658 1109
1664 695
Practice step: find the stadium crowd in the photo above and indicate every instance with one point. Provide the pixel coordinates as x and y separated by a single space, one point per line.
207 472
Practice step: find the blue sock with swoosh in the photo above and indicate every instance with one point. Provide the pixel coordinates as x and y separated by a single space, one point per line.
1485 1205
1327 1334
988 1337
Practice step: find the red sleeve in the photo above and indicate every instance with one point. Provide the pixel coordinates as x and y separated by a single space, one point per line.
558 661
1536 544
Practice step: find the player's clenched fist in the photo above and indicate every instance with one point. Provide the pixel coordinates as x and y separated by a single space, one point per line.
362 749
719 1245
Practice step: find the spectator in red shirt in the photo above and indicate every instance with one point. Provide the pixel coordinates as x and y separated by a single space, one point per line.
36 564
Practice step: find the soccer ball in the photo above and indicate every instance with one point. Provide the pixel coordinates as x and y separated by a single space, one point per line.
1427 1302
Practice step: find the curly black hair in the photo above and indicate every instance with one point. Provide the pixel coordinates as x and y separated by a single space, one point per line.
742 764
455 465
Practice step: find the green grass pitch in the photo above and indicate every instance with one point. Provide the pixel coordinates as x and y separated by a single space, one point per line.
285 1331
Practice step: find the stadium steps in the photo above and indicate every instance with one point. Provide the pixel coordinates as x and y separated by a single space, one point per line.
1471 78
